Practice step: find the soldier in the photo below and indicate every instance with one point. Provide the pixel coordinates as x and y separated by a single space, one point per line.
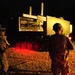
59 44
3 47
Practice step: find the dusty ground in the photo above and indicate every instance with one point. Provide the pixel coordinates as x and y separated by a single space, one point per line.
23 59
29 60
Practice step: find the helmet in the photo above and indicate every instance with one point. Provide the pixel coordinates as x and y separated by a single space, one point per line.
57 27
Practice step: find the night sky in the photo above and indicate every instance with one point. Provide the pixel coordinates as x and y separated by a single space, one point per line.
51 7
58 8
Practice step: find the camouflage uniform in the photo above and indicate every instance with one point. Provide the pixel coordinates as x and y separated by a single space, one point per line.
3 57
59 44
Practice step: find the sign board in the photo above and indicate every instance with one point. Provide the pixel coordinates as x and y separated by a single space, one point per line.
52 20
30 24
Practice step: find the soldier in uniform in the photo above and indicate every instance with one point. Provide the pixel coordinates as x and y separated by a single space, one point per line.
59 45
3 48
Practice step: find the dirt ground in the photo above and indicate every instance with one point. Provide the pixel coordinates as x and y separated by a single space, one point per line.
35 61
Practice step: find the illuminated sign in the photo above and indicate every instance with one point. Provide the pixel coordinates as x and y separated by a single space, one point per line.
30 24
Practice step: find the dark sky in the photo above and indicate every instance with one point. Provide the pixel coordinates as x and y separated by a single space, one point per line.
57 8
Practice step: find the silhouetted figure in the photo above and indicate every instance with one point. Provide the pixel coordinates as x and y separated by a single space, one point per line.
3 47
59 46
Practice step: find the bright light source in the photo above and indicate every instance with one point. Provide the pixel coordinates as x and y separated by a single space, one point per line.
70 38
71 28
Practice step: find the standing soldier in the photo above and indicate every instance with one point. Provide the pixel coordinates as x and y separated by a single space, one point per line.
59 44
3 46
